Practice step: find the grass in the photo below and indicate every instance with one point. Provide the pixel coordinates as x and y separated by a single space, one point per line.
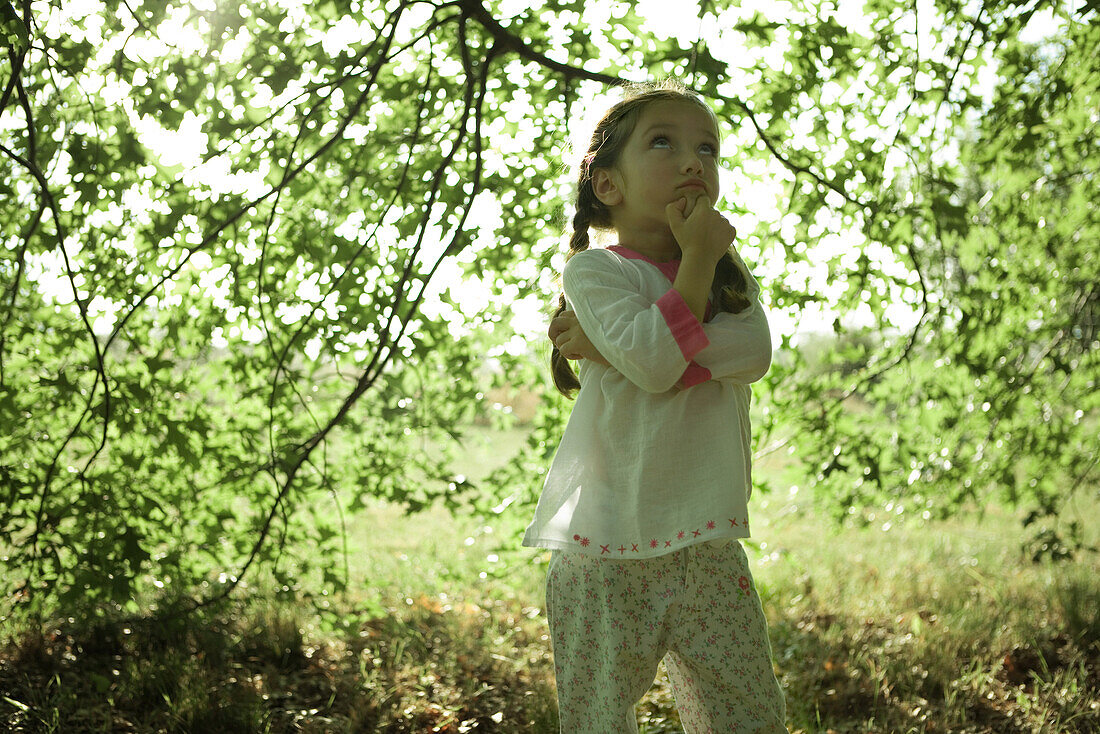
943 627
935 628
262 666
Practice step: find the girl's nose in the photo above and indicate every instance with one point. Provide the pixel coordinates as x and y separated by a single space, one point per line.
692 163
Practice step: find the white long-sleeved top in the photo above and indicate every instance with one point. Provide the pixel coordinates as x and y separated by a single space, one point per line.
656 453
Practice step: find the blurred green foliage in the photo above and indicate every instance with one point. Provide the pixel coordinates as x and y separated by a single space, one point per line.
237 354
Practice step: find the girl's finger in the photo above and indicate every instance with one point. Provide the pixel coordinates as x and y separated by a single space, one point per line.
557 326
564 341
675 211
702 204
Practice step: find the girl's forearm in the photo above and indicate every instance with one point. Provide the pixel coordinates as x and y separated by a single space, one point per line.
694 281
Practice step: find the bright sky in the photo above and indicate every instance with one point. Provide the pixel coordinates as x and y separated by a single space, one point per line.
184 147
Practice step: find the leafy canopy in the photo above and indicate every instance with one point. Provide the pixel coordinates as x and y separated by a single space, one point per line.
234 237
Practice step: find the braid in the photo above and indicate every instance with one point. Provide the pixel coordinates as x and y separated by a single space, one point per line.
731 285
565 379
579 241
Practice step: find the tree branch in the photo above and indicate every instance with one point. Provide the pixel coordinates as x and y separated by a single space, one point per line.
791 165
307 448
507 41
249 206
17 61
13 287
100 352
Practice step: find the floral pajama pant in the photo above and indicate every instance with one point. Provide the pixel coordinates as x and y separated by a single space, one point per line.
612 620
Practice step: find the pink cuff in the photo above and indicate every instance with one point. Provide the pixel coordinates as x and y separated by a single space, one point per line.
686 329
694 374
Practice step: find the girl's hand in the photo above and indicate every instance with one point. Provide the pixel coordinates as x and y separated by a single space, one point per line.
699 229
568 336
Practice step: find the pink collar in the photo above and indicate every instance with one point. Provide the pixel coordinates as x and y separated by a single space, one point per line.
669 268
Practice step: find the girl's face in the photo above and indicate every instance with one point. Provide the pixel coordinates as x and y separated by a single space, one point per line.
671 154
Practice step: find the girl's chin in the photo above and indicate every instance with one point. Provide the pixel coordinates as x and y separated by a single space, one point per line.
692 195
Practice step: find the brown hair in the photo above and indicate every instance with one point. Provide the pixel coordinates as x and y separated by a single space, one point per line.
608 140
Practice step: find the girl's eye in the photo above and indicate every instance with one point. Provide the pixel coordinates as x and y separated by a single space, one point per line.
660 142
708 149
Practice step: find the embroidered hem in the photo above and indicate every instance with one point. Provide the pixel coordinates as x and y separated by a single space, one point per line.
734 527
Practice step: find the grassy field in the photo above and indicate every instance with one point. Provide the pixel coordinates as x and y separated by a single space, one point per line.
940 627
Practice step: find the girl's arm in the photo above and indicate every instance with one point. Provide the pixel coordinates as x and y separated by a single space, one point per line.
740 346
740 349
569 337
651 344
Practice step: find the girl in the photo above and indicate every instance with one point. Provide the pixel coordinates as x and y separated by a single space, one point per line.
648 491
